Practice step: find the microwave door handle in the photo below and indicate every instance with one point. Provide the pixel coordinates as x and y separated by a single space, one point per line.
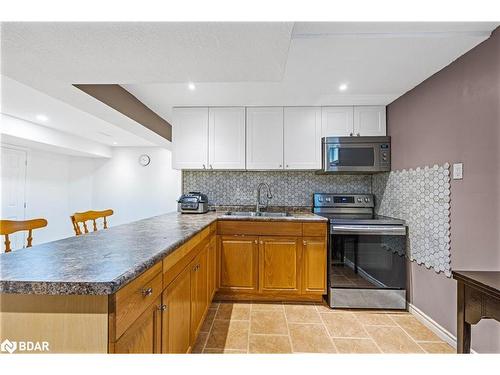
334 156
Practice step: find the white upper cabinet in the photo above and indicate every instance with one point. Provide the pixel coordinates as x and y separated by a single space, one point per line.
357 120
369 121
226 138
190 138
302 135
264 138
337 121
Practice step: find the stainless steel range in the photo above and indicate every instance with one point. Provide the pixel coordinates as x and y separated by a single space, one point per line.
367 264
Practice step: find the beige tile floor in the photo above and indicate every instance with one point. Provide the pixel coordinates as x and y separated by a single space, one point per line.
308 328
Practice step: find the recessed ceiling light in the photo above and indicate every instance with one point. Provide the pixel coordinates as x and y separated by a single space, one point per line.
115 143
42 118
191 86
343 87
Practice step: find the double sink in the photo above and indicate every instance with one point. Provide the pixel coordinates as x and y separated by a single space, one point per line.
258 214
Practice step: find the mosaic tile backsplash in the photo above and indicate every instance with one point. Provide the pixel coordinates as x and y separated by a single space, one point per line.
228 188
420 196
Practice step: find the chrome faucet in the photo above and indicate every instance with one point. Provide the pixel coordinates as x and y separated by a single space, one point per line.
269 195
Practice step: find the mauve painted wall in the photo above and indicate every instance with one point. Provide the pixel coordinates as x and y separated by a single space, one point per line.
454 116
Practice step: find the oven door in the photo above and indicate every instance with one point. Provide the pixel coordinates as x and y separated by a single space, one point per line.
352 157
367 266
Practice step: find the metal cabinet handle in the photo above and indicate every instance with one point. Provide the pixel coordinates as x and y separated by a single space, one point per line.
358 134
255 242
147 292
287 166
304 242
204 166
350 134
162 307
261 242
281 166
211 166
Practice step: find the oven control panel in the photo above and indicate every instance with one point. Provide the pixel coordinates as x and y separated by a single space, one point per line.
343 200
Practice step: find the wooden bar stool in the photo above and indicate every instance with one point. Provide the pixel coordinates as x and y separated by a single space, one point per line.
83 217
11 226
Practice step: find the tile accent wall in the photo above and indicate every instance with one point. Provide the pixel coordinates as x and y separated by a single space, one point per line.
289 188
421 197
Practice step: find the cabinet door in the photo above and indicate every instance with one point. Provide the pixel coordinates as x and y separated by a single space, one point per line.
336 121
199 291
279 264
369 121
238 263
265 138
176 319
190 138
212 268
302 137
314 265
226 136
144 335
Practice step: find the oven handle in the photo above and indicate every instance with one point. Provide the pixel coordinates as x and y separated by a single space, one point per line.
399 230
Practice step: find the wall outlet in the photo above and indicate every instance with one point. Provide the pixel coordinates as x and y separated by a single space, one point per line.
458 171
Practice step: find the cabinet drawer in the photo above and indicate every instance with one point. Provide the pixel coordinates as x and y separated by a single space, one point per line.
259 228
180 258
314 229
134 298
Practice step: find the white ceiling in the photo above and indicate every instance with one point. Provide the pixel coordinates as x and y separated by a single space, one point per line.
141 52
26 103
232 63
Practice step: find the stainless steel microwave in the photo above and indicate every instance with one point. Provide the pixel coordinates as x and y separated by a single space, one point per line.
356 154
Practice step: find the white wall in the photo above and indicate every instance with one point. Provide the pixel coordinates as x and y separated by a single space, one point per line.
59 185
133 191
49 193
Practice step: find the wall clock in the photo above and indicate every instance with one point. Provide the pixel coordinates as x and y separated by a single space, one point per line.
144 160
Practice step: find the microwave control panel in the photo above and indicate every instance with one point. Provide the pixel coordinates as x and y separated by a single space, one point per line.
385 154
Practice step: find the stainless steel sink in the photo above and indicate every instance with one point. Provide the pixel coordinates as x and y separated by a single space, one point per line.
275 214
242 213
261 214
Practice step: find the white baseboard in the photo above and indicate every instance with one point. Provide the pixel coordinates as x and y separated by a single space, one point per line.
439 330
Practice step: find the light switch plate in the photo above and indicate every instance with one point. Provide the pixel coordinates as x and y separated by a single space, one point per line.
458 171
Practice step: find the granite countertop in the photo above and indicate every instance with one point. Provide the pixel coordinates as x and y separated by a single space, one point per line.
100 263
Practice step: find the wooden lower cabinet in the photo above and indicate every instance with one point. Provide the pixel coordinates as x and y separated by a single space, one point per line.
286 266
144 335
199 291
186 301
279 264
176 318
314 265
212 267
239 263
271 261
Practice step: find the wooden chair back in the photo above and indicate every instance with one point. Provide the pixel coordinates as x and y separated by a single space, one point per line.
11 226
83 217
